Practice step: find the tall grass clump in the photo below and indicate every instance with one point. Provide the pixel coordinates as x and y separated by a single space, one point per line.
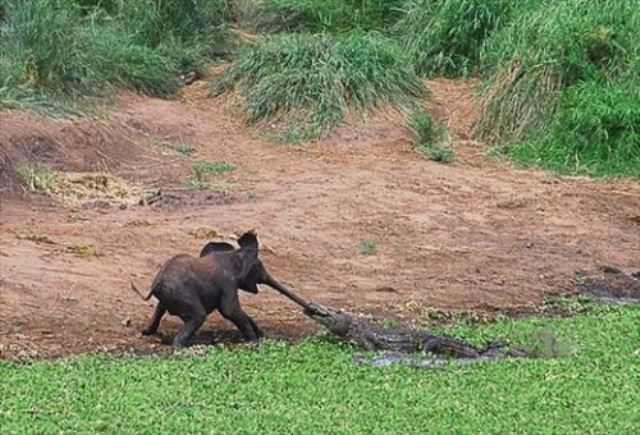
444 37
560 83
596 132
3 9
39 44
309 81
530 62
70 49
318 15
190 33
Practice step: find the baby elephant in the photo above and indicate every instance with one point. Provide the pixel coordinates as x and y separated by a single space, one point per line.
192 287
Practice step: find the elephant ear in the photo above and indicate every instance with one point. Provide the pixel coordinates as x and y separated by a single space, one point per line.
216 247
245 262
249 242
248 284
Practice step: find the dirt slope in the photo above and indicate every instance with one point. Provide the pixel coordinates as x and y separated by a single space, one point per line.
477 235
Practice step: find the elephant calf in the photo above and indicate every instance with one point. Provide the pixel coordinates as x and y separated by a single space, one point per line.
192 287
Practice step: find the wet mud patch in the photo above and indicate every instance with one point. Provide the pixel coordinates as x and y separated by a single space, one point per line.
611 285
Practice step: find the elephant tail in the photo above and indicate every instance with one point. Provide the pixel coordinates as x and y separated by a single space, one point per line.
148 296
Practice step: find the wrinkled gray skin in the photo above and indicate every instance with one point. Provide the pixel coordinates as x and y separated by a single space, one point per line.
192 287
259 275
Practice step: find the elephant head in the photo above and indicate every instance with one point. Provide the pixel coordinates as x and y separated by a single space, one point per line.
247 266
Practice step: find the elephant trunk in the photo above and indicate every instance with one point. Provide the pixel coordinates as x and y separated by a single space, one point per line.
309 307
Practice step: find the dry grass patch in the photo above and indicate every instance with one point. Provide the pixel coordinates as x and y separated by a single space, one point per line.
77 188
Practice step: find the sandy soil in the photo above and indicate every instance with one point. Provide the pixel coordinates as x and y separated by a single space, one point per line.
478 235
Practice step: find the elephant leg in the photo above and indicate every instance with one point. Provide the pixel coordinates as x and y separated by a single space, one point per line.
259 332
231 310
243 323
192 322
152 327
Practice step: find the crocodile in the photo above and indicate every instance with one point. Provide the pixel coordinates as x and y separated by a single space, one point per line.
399 340
405 340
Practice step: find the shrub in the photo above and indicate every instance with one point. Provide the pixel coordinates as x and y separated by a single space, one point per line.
123 63
310 81
444 37
191 33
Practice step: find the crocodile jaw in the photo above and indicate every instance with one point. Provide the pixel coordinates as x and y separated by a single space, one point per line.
338 323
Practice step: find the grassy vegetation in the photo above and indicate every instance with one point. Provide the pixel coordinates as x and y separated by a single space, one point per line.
319 15
547 65
561 80
314 387
179 147
429 138
311 81
596 131
34 178
68 50
444 37
184 149
84 251
368 247
204 170
561 76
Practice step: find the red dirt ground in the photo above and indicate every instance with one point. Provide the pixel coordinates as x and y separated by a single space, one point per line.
478 235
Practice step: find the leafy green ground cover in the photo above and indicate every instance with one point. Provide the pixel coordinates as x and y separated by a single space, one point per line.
314 387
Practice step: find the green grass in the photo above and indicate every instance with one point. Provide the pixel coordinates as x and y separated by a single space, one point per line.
314 387
309 82
184 149
68 50
595 132
429 138
207 168
179 147
204 170
368 247
548 47
34 178
445 37
319 15
561 77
